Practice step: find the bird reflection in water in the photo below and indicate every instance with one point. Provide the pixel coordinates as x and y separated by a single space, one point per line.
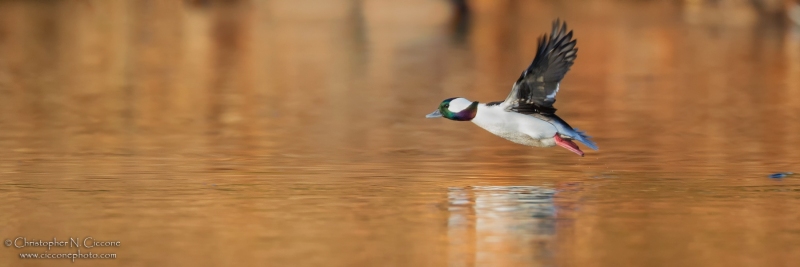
501 225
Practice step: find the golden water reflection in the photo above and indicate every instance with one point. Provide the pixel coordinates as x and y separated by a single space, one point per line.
292 133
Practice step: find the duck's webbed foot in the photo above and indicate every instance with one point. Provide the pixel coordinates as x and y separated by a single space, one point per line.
568 144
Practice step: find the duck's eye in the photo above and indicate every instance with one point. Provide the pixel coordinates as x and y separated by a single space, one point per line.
446 105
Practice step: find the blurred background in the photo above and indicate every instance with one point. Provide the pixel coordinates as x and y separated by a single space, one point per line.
292 133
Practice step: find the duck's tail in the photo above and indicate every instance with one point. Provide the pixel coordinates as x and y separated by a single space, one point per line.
585 139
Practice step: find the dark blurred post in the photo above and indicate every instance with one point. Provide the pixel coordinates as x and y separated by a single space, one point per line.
460 19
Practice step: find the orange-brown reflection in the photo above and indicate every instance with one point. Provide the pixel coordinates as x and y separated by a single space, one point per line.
292 133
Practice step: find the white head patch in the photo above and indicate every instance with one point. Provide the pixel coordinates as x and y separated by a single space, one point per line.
459 104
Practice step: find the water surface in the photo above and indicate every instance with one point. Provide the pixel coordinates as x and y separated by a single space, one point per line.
293 134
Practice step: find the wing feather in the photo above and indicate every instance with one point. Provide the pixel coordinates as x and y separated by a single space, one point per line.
535 90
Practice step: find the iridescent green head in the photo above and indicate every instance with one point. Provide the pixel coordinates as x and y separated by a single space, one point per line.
457 109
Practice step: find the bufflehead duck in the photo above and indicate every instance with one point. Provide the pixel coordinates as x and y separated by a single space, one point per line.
527 115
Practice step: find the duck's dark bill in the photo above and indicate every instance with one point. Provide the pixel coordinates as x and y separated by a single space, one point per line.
435 114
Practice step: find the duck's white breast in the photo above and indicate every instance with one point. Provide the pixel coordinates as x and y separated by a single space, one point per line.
515 127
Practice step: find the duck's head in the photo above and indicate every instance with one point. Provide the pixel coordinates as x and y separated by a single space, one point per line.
457 109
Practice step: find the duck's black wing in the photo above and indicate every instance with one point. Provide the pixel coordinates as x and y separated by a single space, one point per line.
535 90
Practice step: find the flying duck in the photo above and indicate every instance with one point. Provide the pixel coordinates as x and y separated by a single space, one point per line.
527 115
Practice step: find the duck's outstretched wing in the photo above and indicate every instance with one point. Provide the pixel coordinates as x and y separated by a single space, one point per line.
535 90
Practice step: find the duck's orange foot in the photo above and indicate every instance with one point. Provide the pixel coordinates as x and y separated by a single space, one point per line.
568 144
